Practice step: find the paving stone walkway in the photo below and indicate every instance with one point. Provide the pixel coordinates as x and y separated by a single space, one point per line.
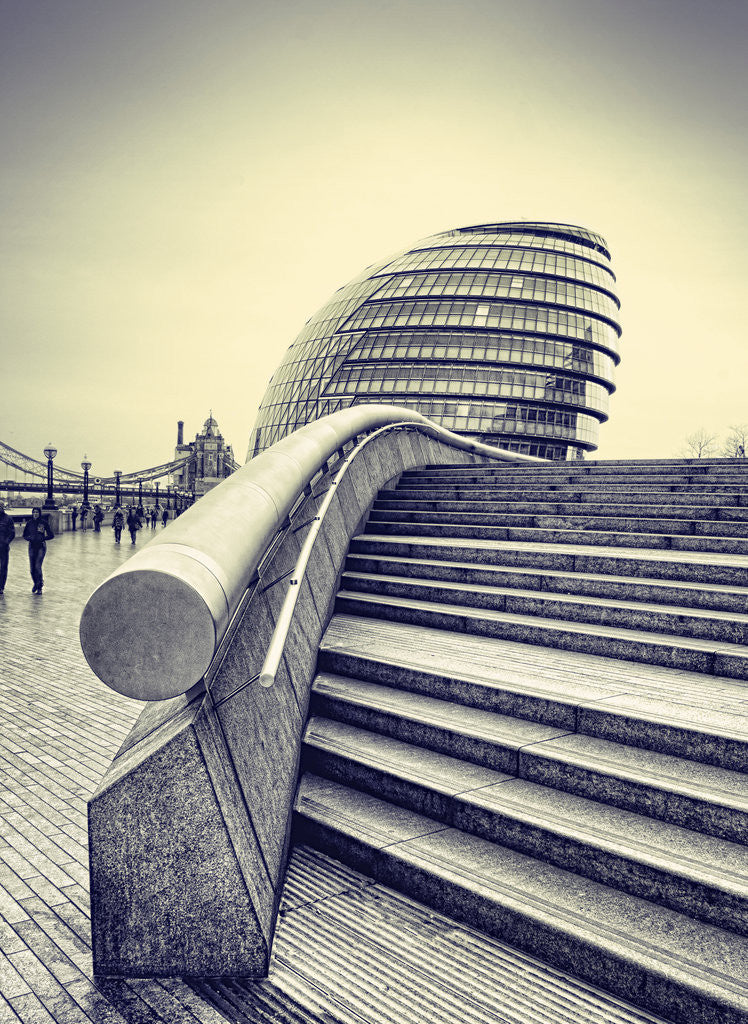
59 729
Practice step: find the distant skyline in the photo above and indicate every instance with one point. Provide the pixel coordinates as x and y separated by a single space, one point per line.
184 184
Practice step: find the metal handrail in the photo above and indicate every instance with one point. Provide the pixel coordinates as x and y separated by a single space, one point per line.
151 629
277 643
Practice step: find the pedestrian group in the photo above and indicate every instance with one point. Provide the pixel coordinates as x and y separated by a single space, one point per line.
37 532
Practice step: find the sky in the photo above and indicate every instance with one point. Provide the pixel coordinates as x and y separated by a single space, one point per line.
183 184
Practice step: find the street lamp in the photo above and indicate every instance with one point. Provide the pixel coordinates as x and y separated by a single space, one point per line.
157 504
85 466
117 475
50 453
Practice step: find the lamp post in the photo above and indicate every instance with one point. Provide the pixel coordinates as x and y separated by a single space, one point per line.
50 453
85 466
157 504
140 497
117 475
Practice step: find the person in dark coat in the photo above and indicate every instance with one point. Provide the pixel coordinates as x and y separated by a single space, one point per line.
74 516
7 533
133 523
37 532
84 516
98 518
118 524
165 517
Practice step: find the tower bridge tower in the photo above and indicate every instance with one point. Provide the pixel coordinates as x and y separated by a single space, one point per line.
212 458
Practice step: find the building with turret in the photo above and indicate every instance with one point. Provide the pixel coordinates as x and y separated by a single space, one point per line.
208 459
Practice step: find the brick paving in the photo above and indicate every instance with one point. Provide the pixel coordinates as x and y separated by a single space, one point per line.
59 729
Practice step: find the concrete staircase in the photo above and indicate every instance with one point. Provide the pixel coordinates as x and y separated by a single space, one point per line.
531 714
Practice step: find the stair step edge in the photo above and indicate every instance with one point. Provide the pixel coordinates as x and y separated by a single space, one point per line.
704 963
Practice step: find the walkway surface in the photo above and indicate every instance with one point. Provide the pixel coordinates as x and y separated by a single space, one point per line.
347 950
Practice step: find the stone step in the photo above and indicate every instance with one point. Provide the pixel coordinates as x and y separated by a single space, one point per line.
621 466
682 594
723 569
695 874
598 538
530 491
696 717
587 521
703 511
653 956
735 469
503 477
701 797
522 478
730 627
709 656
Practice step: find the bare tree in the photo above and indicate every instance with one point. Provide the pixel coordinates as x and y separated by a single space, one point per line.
700 445
736 442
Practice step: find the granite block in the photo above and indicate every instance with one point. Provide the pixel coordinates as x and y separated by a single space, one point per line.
167 891
353 497
322 577
280 568
694 732
302 644
179 714
262 729
334 534
246 653
377 464
389 450
238 814
359 472
705 798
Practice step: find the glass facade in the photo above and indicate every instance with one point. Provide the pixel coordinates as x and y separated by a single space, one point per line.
505 332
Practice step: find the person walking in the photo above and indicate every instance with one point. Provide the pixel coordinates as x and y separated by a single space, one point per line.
84 516
133 523
98 518
7 533
154 517
37 532
165 517
118 524
74 516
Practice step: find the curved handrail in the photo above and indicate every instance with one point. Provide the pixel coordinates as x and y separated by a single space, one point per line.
151 629
277 643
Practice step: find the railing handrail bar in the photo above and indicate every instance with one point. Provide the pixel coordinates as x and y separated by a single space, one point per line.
277 643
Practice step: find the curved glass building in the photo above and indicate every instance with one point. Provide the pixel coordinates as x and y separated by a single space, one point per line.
505 332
